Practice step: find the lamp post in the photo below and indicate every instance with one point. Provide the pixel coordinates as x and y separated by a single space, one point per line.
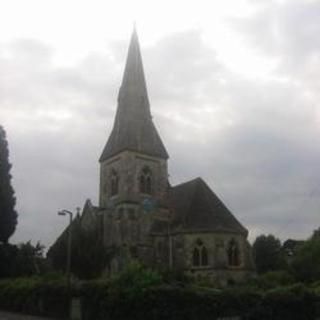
68 266
170 242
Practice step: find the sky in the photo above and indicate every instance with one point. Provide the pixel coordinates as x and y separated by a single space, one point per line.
234 92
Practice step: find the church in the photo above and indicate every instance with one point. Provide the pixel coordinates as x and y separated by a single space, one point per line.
142 217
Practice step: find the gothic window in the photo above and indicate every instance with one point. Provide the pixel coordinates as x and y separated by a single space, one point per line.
204 256
233 254
145 181
200 255
114 183
196 257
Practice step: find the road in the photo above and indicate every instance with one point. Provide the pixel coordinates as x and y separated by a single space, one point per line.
15 316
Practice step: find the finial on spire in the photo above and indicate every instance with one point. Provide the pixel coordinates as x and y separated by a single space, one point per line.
134 30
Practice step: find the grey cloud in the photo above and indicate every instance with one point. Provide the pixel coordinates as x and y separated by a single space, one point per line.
287 31
252 141
262 161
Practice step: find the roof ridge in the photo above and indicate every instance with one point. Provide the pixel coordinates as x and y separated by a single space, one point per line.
188 182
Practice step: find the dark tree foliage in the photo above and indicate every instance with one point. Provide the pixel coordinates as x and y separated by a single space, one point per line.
306 263
316 234
21 260
8 215
267 254
88 255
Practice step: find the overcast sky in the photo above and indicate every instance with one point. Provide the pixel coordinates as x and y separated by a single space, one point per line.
234 89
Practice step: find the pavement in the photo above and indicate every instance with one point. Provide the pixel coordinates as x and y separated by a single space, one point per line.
18 316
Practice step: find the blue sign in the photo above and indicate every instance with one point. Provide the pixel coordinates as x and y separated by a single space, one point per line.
148 204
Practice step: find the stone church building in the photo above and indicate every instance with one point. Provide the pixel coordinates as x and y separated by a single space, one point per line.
141 216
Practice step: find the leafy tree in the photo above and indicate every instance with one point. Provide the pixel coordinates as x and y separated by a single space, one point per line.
316 234
29 260
8 215
8 254
21 260
268 254
306 263
136 278
88 255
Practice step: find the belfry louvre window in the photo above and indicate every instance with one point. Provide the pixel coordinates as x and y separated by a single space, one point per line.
200 255
233 254
114 183
145 181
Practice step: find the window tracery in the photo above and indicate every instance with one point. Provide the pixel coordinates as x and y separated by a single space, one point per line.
233 254
200 255
145 181
114 183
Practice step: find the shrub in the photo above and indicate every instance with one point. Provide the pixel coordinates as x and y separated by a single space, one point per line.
138 293
34 296
272 279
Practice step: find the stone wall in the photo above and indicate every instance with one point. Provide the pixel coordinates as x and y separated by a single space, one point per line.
216 244
128 166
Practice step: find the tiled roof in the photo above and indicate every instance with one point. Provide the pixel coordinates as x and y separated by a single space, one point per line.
197 208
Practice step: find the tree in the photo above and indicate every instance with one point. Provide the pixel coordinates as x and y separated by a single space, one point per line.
8 215
29 259
306 263
20 260
88 255
268 254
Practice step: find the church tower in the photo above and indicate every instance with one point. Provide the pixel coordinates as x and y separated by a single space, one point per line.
133 164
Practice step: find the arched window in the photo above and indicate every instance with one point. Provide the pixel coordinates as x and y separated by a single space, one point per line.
145 181
196 257
233 254
200 255
114 183
204 256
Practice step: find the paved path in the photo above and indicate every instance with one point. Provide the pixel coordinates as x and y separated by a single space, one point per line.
16 316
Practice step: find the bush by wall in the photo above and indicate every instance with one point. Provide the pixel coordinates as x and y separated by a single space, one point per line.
34 296
104 300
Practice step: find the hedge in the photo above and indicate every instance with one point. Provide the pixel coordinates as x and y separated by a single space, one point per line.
35 296
106 300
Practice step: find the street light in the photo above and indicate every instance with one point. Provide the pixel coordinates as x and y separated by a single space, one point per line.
170 240
64 213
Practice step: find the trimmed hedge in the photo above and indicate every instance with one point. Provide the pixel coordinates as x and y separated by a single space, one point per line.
35 296
107 300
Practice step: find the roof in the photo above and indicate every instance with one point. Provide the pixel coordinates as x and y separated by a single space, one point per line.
133 127
197 208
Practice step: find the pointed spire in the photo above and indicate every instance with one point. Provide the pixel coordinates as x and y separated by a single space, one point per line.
133 127
133 91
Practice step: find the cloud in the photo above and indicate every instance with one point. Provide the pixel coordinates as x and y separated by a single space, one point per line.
253 140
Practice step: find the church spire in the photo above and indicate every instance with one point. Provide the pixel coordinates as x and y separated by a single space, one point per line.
133 127
133 91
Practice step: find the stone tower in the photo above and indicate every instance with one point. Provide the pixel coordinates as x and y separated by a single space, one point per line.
133 164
